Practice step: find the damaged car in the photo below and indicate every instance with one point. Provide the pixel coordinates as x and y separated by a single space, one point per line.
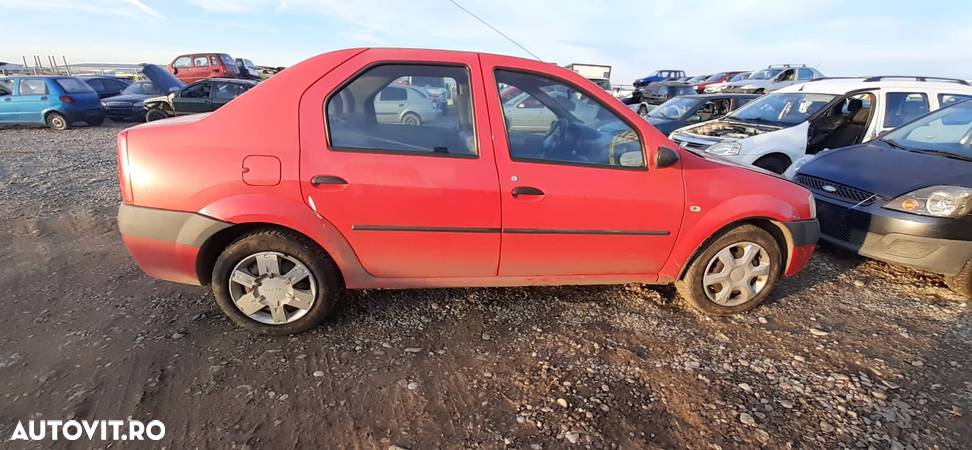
783 75
130 104
657 93
780 128
199 97
904 198
690 109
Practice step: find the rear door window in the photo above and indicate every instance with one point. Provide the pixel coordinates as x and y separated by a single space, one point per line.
200 61
33 87
947 99
903 107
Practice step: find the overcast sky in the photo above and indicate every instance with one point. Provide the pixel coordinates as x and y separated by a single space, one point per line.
635 37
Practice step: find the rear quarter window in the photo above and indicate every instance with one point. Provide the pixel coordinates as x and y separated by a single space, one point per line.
73 85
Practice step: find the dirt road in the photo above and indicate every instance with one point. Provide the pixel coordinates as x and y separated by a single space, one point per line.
851 353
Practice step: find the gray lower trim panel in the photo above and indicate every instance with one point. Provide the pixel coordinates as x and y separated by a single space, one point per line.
185 228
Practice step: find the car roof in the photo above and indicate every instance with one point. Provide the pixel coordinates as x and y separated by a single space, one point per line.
841 86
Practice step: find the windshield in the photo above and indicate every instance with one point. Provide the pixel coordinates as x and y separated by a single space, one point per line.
765 74
675 108
716 77
740 77
141 88
948 130
697 79
675 91
782 109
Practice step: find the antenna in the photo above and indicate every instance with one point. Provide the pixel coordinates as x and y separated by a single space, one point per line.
454 2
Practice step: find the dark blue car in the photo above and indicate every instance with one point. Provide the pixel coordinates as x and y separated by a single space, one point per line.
105 86
130 104
56 101
661 75
904 198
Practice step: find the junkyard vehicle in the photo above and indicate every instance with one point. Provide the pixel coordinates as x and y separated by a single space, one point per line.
720 85
105 86
720 77
904 198
201 96
248 70
655 94
56 101
130 104
296 189
407 105
200 66
786 75
773 131
690 109
661 75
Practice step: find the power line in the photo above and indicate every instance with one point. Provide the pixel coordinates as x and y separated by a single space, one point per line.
454 2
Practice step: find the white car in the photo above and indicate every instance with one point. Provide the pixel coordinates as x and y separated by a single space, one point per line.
406 105
779 128
715 88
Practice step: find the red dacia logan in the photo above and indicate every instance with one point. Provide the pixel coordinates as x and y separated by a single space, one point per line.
399 168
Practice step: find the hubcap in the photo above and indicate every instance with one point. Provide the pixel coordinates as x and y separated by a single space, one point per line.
272 288
736 274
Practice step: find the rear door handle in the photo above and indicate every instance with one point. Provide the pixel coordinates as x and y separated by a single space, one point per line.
526 190
327 179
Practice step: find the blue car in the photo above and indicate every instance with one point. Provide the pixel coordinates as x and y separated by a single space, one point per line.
661 75
56 101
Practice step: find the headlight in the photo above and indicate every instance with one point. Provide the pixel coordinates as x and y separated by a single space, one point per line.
813 207
724 149
937 201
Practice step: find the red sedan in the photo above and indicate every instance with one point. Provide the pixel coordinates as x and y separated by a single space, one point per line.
320 178
714 78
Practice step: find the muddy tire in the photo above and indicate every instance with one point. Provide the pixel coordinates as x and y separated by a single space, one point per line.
733 273
962 283
57 121
411 119
773 163
275 282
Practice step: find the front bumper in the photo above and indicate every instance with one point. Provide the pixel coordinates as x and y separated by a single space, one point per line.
804 235
166 244
933 244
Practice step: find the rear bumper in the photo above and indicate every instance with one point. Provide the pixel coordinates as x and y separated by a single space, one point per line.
166 244
931 244
804 234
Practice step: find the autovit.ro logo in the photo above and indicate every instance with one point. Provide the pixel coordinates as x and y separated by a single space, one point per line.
72 430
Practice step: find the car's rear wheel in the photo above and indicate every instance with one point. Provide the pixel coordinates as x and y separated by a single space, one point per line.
155 114
411 119
275 282
734 273
962 283
57 121
773 163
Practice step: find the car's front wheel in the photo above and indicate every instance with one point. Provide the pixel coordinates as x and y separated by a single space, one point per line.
155 114
734 273
275 282
962 283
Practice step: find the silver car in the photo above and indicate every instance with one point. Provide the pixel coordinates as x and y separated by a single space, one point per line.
406 105
774 77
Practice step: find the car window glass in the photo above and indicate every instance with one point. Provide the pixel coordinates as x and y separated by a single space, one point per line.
200 90
6 87
96 85
181 62
33 87
571 127
804 74
229 91
903 107
420 109
73 85
200 61
947 99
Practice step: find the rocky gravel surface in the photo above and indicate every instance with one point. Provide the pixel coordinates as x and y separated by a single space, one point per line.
849 354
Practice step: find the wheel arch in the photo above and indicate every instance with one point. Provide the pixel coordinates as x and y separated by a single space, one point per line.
774 227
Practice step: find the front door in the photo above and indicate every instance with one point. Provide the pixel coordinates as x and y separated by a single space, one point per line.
6 101
414 201
195 98
31 100
578 197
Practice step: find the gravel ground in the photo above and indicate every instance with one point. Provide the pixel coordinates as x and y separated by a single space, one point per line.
850 353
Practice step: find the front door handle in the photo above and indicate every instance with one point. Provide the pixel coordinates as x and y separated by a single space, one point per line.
327 179
526 190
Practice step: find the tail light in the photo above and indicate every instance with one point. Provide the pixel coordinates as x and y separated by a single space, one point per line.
124 182
67 99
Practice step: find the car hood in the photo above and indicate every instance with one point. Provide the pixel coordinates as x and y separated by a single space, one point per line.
886 171
129 98
161 78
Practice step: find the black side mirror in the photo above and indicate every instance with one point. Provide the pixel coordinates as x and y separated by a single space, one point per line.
665 157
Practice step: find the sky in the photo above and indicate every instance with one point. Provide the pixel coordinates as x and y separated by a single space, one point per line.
839 38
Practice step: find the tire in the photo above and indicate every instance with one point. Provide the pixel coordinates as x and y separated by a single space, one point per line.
411 119
318 285
155 114
96 122
962 283
57 121
773 163
642 111
767 263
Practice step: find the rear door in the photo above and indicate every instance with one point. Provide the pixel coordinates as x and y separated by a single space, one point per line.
200 68
579 198
414 201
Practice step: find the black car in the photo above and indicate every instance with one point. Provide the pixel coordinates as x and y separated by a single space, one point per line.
658 93
689 109
130 104
905 197
105 86
201 96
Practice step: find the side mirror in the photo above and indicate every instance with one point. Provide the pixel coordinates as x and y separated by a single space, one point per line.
665 157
